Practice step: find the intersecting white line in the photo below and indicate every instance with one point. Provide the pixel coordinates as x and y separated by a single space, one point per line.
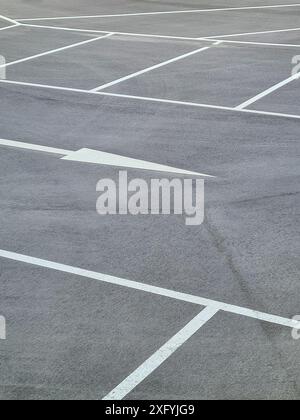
268 92
170 12
9 27
221 306
161 355
155 100
56 50
157 66
179 38
9 20
61 28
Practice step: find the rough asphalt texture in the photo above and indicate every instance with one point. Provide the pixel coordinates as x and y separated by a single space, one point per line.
73 338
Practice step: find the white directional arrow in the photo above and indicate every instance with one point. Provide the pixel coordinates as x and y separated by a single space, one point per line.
100 158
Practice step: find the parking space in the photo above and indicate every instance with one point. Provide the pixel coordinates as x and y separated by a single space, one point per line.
145 307
20 42
218 76
283 100
71 338
90 65
250 367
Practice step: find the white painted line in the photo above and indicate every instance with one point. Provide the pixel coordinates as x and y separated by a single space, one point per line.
37 85
179 38
253 33
262 44
198 105
154 100
33 147
61 28
170 12
9 27
157 66
100 158
161 355
9 20
56 50
108 159
197 300
268 92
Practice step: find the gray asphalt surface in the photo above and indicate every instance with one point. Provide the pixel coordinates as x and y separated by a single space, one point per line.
71 337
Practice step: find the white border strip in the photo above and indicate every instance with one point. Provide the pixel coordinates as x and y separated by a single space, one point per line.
170 12
268 92
155 100
157 66
23 60
291 323
161 355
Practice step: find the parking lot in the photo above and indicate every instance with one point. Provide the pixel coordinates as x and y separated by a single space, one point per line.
145 307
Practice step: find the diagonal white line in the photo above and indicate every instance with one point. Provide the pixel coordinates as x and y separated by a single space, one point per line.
170 12
9 27
150 289
155 100
56 50
253 33
9 20
268 92
161 355
157 66
183 38
34 147
101 158
262 44
61 28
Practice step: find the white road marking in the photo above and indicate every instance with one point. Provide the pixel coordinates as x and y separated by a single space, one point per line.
254 33
9 27
199 105
170 12
9 20
161 355
34 147
268 92
157 66
267 44
197 300
56 50
37 85
179 38
100 158
60 28
155 100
